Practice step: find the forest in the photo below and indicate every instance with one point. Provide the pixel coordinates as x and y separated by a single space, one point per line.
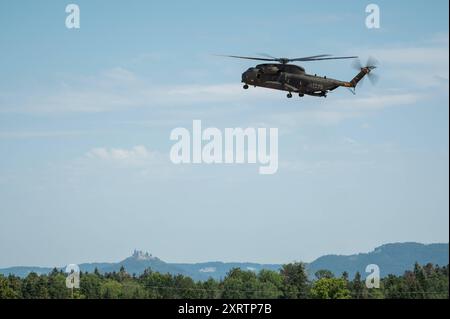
291 282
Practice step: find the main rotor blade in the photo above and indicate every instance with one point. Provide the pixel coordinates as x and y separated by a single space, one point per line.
310 57
247 57
331 58
287 60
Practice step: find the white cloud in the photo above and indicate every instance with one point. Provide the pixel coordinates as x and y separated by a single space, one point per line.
418 56
37 134
424 65
121 91
338 110
378 101
135 163
441 38
120 75
137 156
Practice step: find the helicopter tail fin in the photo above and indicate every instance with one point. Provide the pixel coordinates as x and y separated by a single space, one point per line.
364 71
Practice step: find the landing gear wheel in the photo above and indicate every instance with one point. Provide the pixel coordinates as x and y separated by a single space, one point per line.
245 86
289 95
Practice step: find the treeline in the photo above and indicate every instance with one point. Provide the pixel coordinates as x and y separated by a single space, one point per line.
291 281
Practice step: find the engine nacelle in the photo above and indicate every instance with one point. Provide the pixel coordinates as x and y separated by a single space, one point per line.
272 69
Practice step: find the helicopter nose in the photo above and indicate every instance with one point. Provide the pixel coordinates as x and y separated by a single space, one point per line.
249 75
244 76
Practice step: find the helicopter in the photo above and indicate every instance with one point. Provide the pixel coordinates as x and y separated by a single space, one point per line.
281 75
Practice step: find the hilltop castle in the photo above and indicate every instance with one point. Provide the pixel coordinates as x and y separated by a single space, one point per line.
140 255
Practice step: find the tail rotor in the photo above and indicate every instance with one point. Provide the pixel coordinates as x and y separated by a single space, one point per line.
371 65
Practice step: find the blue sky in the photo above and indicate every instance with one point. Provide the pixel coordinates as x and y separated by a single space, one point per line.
85 118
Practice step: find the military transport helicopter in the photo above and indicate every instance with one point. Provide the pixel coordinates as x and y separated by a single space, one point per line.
293 78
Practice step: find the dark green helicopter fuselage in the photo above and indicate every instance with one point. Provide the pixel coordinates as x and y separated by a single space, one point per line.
293 79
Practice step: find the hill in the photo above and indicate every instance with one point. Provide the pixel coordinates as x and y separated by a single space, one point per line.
391 258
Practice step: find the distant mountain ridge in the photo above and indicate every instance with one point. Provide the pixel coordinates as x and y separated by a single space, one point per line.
391 258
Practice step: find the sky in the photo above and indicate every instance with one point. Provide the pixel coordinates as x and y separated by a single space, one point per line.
86 115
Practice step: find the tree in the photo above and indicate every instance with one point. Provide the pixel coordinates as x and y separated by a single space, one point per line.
185 288
132 290
270 284
427 281
122 275
345 276
15 283
57 285
90 286
330 288
35 287
110 289
323 273
295 281
6 292
210 289
157 285
357 286
239 284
